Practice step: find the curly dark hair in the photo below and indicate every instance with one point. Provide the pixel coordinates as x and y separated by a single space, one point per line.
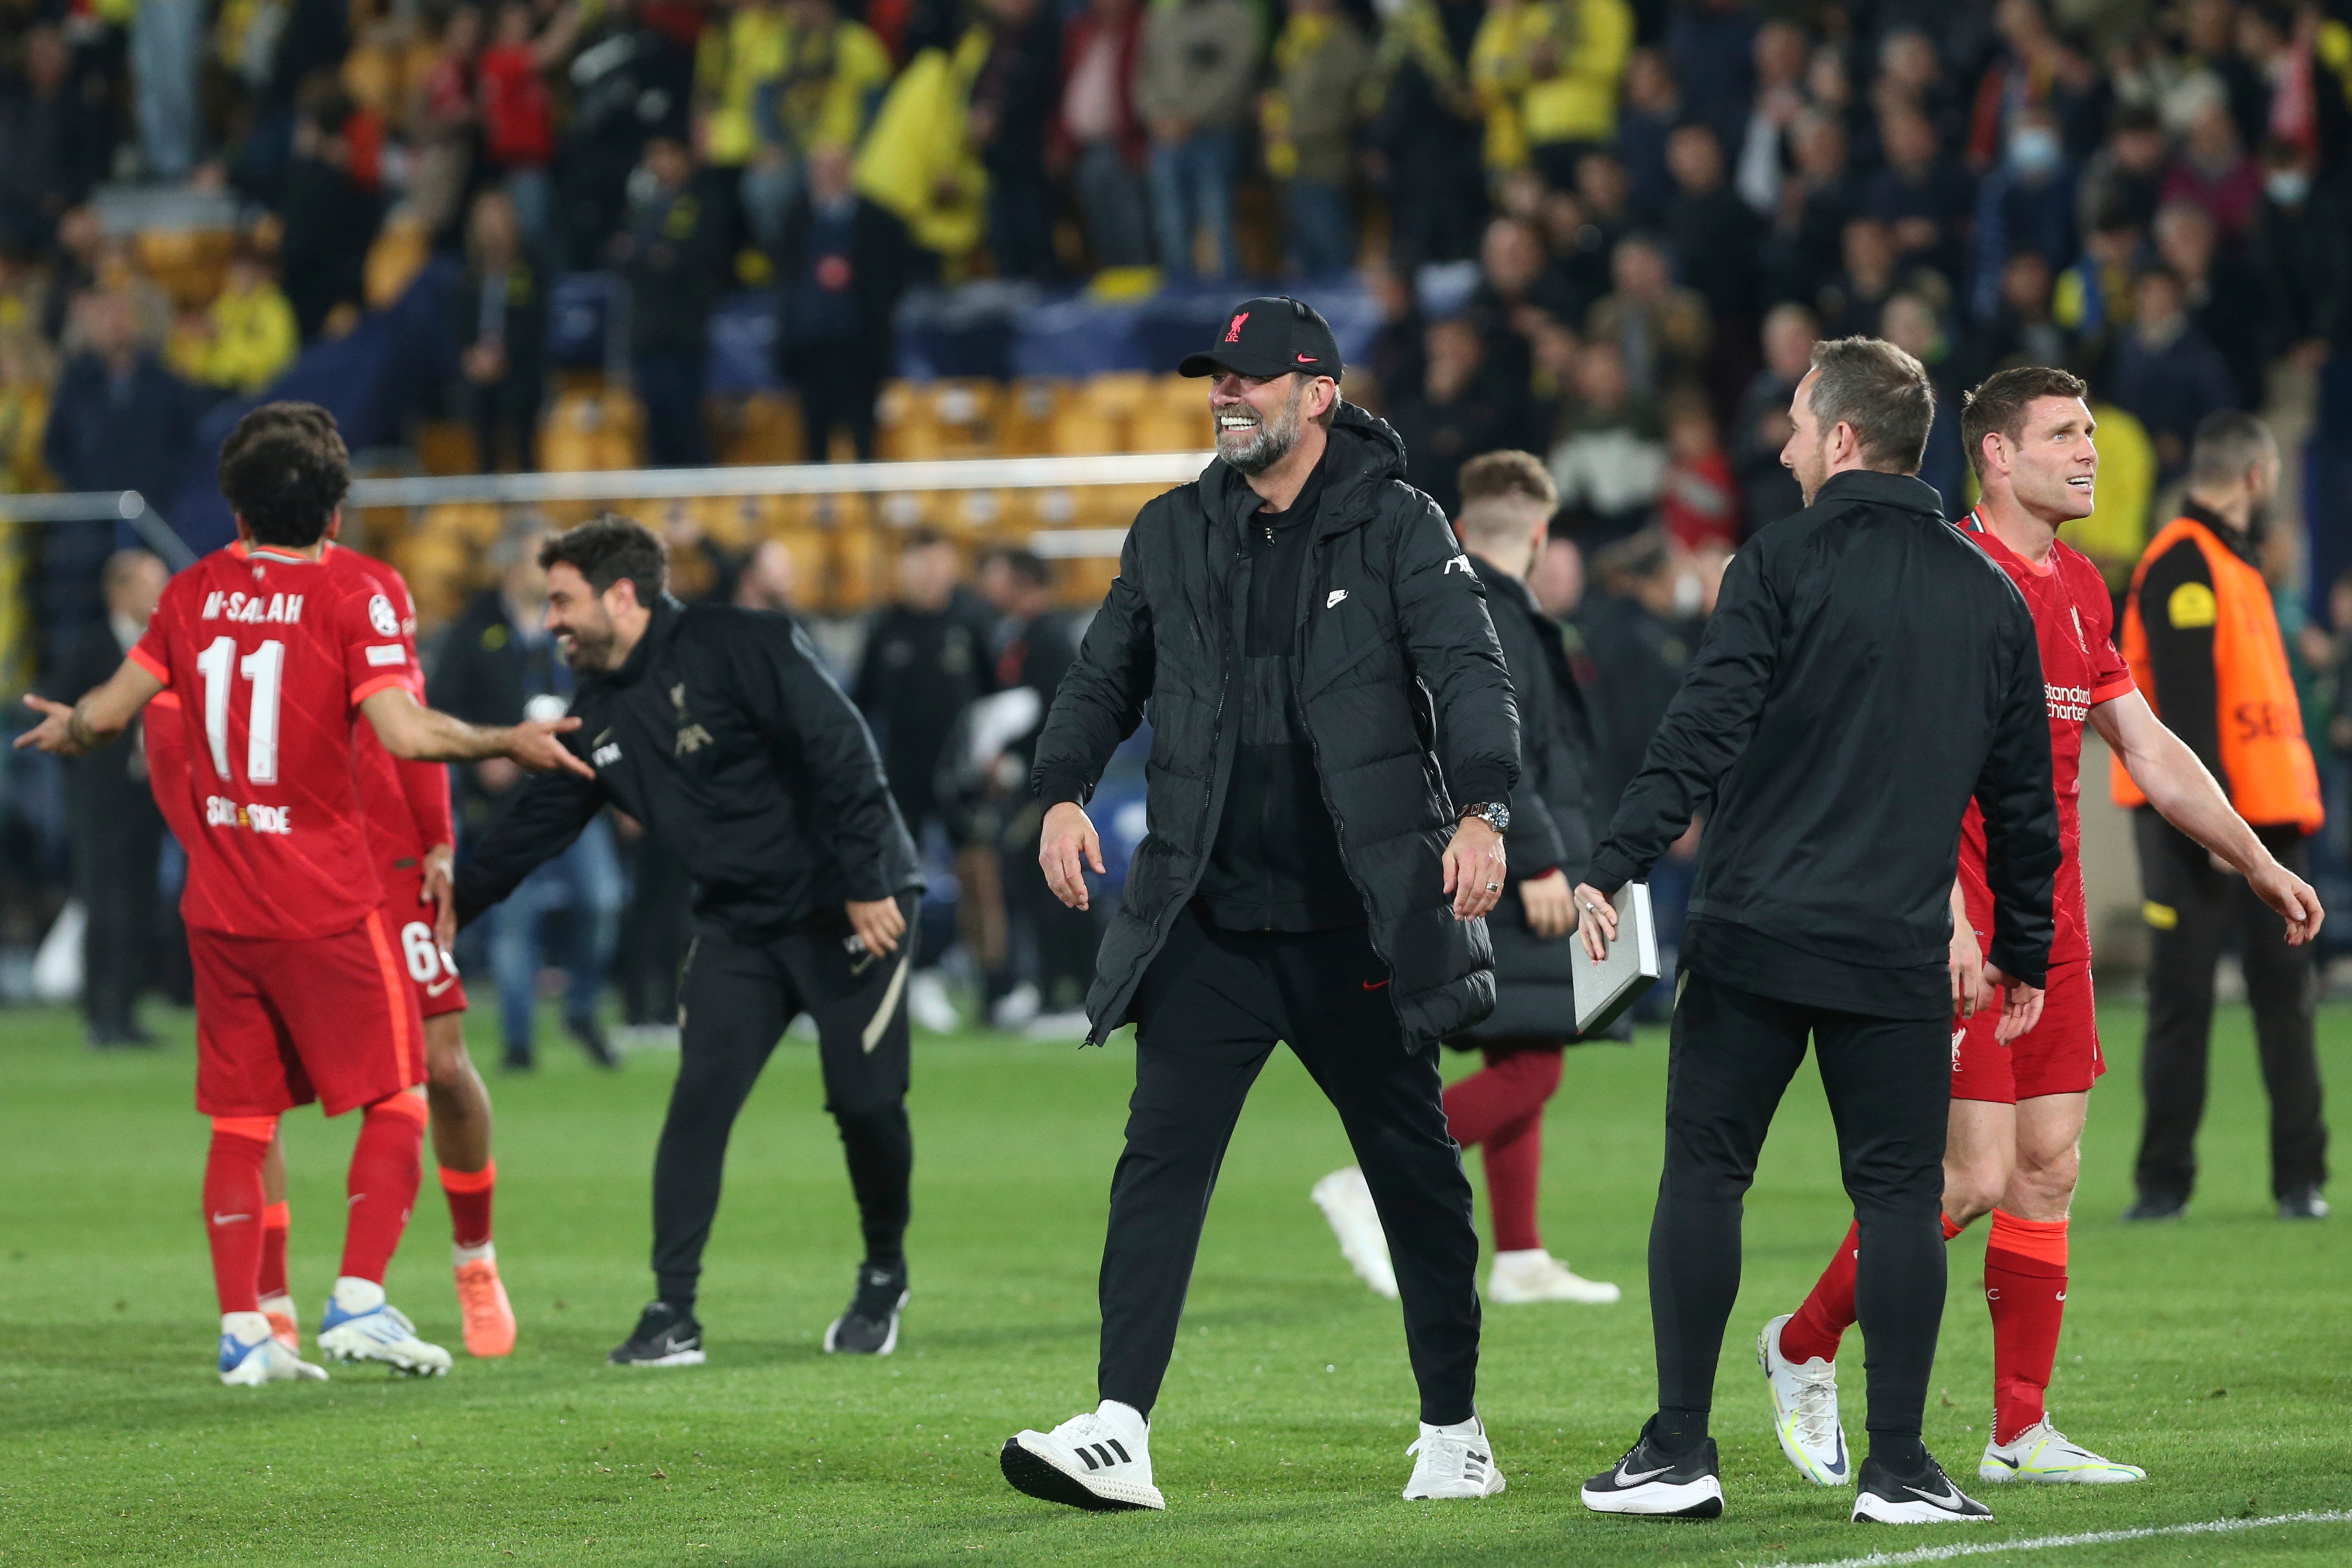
609 547
285 471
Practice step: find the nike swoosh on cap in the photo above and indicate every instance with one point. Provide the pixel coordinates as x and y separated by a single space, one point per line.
1308 359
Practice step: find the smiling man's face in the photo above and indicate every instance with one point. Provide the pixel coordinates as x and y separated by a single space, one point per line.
2054 466
1257 417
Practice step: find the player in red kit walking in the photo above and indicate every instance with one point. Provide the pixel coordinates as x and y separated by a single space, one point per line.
2019 1104
276 646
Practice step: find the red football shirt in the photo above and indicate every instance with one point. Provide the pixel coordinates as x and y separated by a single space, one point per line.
271 656
2075 620
407 803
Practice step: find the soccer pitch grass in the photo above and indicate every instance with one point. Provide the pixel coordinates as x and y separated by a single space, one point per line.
2216 1352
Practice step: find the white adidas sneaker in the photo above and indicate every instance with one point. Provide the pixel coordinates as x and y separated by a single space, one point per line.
2042 1453
1535 1275
1100 1461
250 1355
359 1324
1346 1203
1805 1410
1455 1461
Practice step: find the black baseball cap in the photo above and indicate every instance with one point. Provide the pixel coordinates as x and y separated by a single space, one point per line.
1276 335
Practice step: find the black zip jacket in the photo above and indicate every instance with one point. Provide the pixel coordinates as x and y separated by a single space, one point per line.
1397 668
1866 672
724 735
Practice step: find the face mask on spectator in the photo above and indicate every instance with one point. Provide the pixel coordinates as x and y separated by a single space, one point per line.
2033 150
2288 187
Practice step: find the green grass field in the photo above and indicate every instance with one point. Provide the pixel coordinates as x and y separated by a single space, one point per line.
2216 1352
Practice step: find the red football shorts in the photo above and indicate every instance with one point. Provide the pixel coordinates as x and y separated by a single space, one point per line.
427 964
281 1022
2060 1055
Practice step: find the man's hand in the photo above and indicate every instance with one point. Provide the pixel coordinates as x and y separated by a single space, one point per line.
56 733
2293 899
533 746
440 890
1970 991
1474 867
1067 846
878 922
1596 920
2021 1006
103 712
1551 911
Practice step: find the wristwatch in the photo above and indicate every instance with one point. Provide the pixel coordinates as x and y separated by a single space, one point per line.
1494 813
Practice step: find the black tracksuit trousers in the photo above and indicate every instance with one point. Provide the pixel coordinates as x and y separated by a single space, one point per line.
1208 1014
735 1000
2206 907
1890 1091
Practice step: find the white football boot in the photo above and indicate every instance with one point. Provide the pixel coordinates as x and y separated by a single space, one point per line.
285 1324
1455 1461
1100 1461
359 1324
1805 1410
1535 1275
2042 1453
250 1354
1347 1204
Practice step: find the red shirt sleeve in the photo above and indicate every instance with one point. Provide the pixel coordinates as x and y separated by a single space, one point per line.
2111 678
153 651
376 652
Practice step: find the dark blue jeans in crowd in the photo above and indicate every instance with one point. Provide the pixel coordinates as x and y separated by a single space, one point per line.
584 881
1192 187
1321 230
669 385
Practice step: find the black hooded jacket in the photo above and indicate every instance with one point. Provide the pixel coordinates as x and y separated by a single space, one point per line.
1397 677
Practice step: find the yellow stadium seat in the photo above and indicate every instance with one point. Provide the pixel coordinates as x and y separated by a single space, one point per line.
966 413
764 427
447 447
1120 391
1085 429
1025 418
905 425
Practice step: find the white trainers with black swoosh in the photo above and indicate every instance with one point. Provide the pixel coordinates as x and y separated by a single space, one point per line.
2044 1454
1099 1461
1805 1410
1927 1498
1649 1481
1455 1461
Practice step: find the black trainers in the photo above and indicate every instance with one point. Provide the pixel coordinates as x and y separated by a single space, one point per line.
591 1035
664 1337
2303 1202
1927 1498
869 1326
1648 1480
2157 1206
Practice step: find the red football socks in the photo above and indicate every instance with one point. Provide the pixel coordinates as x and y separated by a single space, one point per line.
1500 1110
386 1166
468 1193
1818 1326
234 1203
276 1219
2025 1286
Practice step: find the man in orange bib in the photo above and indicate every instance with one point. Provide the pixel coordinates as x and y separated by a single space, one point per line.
2203 641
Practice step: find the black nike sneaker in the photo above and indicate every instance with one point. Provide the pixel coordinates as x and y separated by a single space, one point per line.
2157 1206
1648 1480
869 1325
664 1337
592 1041
1927 1498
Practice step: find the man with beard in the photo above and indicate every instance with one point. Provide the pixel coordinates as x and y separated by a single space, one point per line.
719 729
1300 622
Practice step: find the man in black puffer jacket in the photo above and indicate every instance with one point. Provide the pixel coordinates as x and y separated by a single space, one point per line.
1324 687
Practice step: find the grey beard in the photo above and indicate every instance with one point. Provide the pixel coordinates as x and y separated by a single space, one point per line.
1267 445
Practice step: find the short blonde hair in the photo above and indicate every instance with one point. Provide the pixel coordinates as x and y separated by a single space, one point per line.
1494 474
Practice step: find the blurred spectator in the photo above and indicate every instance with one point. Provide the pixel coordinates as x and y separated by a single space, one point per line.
1762 151
1699 504
518 110
2165 373
1395 359
24 375
1911 75
2020 330
1427 130
2220 292
1801 253
769 581
1660 330
1760 427
841 266
1464 406
1911 324
2211 48
1639 632
121 422
1576 265
443 123
1308 118
2302 258
117 832
1607 455
2026 204
499 664
1923 197
1716 241
2215 171
1012 115
631 80
48 150
739 59
1547 72
1852 303
1712 44
246 338
331 213
499 318
1098 138
2034 70
670 254
2092 299
1607 201
1556 581
826 80
1515 294
1653 108
2126 176
166 53
1193 84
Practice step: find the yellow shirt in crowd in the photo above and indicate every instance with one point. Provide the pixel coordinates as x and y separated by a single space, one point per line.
1547 70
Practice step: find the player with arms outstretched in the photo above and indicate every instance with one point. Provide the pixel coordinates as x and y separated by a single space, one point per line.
2019 1104
275 648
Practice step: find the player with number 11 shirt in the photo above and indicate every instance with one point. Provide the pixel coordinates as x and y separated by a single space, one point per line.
277 648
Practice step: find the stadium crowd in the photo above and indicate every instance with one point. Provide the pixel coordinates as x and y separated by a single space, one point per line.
1607 231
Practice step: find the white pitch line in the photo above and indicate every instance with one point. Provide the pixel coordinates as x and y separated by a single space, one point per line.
2092 1538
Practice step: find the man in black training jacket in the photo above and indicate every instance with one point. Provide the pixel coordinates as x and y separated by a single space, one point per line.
1866 670
1299 621
719 729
